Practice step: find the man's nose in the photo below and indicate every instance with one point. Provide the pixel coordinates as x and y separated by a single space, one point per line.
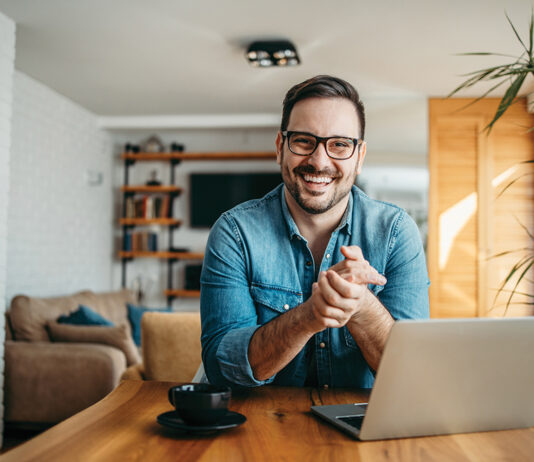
319 158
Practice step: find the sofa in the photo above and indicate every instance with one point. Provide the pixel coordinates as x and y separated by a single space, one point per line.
51 374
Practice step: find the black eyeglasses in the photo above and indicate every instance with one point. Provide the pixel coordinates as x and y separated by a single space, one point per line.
305 144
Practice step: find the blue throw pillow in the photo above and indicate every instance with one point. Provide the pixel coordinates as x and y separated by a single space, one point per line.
84 316
135 313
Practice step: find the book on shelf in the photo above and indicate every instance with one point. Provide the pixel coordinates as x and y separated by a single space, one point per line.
145 206
140 241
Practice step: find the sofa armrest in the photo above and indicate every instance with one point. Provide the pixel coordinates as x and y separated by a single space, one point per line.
134 372
48 382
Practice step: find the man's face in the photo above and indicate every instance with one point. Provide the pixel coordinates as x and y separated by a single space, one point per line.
318 183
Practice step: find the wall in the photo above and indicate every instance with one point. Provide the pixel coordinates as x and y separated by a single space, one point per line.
59 225
7 62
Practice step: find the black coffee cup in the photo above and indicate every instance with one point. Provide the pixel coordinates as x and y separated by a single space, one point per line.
200 403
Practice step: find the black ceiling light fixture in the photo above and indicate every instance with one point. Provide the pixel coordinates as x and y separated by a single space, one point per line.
267 53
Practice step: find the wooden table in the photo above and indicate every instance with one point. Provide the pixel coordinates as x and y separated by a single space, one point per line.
123 427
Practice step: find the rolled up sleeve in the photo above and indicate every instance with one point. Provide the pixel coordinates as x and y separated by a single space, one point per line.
406 293
229 317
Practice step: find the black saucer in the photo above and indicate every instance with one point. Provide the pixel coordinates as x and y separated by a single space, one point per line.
171 419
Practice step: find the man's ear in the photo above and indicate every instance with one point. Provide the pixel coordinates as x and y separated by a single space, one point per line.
279 147
361 157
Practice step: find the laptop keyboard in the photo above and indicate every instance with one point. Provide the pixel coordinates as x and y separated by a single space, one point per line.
354 421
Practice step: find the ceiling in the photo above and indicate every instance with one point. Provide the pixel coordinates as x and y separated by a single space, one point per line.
169 57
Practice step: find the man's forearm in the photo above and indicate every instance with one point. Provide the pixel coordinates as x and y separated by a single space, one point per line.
276 343
370 329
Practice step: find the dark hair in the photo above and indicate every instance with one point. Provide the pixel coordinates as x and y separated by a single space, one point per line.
322 86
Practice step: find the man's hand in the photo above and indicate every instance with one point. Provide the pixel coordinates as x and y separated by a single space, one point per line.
334 301
355 268
340 292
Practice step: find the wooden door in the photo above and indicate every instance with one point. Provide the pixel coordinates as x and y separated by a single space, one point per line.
469 223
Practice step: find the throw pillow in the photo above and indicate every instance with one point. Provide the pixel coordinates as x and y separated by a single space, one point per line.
84 316
135 313
117 337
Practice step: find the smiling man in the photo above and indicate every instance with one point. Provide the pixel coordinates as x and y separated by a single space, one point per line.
302 286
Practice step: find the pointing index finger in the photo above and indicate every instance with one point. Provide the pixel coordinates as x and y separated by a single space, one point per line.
352 252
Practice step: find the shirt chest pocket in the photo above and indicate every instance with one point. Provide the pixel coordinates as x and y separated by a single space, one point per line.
271 301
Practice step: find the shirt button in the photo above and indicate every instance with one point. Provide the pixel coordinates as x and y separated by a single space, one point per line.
325 386
308 263
327 256
322 344
286 307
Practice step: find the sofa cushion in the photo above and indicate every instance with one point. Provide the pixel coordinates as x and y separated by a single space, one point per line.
84 316
117 336
112 305
29 315
135 313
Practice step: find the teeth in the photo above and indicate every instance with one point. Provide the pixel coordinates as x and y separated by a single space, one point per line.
317 179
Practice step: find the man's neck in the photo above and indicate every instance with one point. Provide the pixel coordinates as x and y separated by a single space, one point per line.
316 226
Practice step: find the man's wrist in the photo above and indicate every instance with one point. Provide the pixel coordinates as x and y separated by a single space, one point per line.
369 305
305 319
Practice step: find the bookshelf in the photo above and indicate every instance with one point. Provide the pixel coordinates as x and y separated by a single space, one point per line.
147 205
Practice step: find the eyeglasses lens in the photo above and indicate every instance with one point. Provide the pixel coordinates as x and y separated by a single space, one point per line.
304 144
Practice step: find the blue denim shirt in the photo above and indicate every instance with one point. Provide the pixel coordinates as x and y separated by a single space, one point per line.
257 266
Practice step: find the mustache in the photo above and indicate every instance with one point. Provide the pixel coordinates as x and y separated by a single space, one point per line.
310 169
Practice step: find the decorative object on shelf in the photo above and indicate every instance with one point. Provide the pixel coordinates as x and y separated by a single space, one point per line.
267 53
514 73
152 144
153 179
177 147
131 148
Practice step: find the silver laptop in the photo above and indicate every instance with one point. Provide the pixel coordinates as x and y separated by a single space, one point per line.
446 376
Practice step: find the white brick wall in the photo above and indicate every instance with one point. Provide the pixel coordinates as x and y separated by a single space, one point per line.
59 226
7 63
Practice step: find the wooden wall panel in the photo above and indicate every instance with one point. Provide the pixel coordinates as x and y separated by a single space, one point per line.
468 223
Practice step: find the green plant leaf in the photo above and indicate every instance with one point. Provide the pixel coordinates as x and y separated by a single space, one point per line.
509 276
516 33
485 53
480 97
473 80
515 180
519 279
519 293
507 99
508 252
524 227
531 33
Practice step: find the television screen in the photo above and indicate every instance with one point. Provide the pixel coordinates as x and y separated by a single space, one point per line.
211 194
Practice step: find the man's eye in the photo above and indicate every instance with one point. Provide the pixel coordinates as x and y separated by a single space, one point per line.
341 144
302 140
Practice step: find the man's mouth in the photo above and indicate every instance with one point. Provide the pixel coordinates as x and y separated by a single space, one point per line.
317 179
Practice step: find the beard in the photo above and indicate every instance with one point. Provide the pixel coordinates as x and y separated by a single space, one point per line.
315 205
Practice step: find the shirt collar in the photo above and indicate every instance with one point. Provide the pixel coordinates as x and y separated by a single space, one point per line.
292 226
